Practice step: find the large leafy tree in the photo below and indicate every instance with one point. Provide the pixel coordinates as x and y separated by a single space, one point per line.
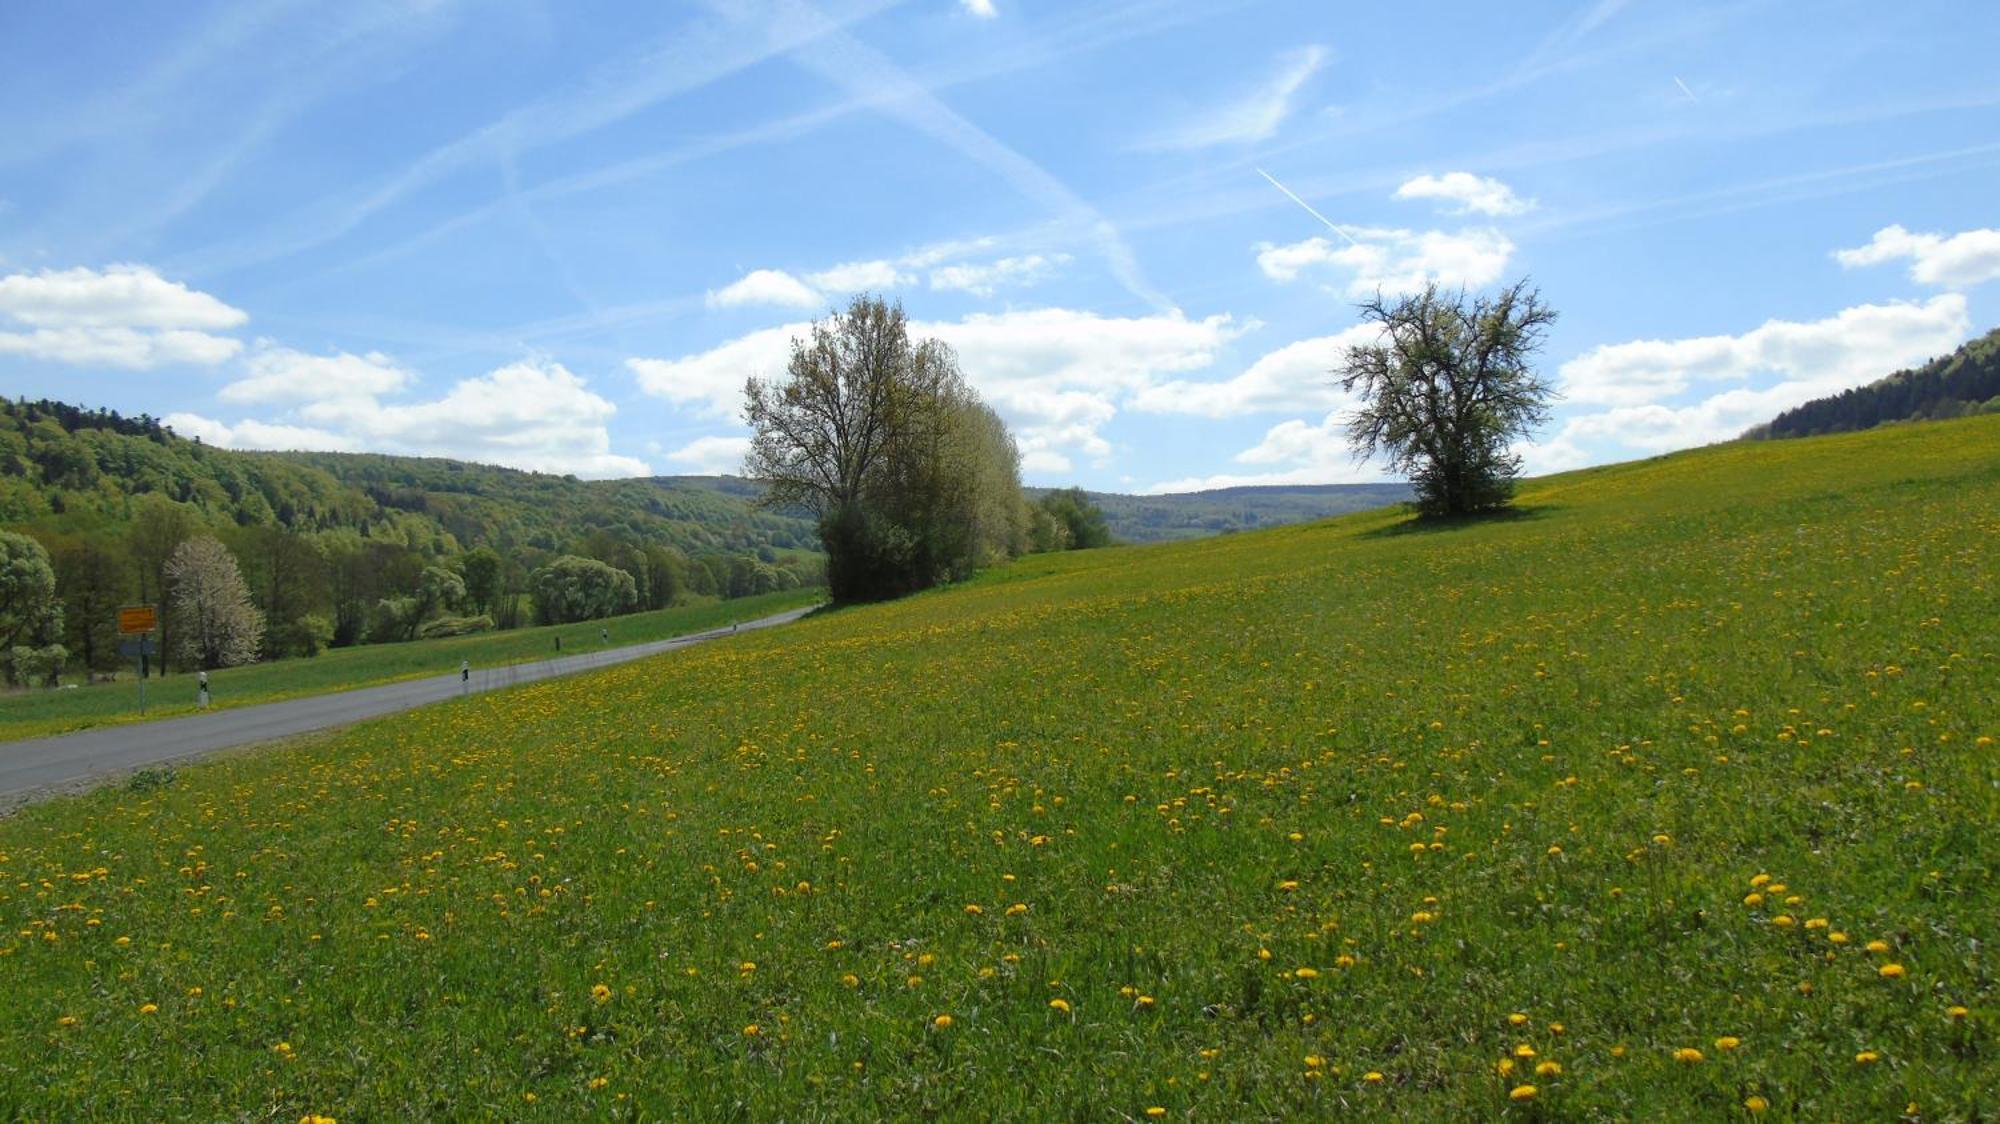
570 589
911 478
1447 389
30 615
214 622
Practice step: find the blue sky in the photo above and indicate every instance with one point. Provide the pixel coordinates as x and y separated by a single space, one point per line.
560 236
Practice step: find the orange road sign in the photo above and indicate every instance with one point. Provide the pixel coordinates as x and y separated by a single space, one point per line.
136 619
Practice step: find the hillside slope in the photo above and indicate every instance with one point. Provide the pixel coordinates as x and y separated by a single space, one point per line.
67 470
1670 797
1965 382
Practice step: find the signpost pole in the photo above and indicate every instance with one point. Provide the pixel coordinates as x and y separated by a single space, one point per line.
136 624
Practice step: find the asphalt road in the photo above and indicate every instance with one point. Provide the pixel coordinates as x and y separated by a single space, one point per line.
80 759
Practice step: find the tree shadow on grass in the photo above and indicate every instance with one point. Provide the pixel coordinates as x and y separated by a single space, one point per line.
1418 524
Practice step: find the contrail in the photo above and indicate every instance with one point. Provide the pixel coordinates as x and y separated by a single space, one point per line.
1684 88
1308 206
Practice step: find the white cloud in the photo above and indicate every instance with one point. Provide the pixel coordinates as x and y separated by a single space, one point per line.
119 347
712 381
765 286
1056 375
982 8
1253 117
1297 376
1308 453
712 456
1955 261
860 276
282 375
983 278
532 415
122 316
252 434
1395 261
1855 345
1472 194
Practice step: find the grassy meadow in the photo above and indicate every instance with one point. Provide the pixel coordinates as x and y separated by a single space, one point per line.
1674 797
39 712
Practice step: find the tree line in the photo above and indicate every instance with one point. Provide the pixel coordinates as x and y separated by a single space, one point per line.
230 594
1963 383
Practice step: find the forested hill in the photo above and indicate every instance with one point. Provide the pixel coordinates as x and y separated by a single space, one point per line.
67 469
1965 382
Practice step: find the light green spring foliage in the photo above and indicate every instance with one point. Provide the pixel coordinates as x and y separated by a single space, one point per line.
1335 820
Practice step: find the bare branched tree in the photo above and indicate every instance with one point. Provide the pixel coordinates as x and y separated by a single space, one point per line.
1448 389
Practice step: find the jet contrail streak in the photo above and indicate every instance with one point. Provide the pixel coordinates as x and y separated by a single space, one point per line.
1308 206
1684 88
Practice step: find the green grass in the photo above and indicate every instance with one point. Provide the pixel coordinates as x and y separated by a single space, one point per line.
39 713
1527 767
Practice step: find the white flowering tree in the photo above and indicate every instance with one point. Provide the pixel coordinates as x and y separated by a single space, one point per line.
214 623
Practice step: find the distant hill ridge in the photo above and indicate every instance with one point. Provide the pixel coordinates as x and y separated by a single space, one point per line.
1965 382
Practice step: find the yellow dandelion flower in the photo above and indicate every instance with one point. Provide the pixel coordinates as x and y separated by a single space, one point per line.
752 1031
1956 1012
1306 973
1891 971
1504 1066
1550 1068
1688 1055
1756 1103
942 1022
1837 937
973 910
600 993
1867 1057
1372 1077
1517 1019
1521 1094
850 980
1524 1051
1156 1112
1728 1042
149 1008
1878 946
1060 1006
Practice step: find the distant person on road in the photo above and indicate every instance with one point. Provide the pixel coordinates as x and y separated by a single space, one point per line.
558 643
201 690
604 635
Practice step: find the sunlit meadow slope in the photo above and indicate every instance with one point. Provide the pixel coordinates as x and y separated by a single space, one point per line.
1675 797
